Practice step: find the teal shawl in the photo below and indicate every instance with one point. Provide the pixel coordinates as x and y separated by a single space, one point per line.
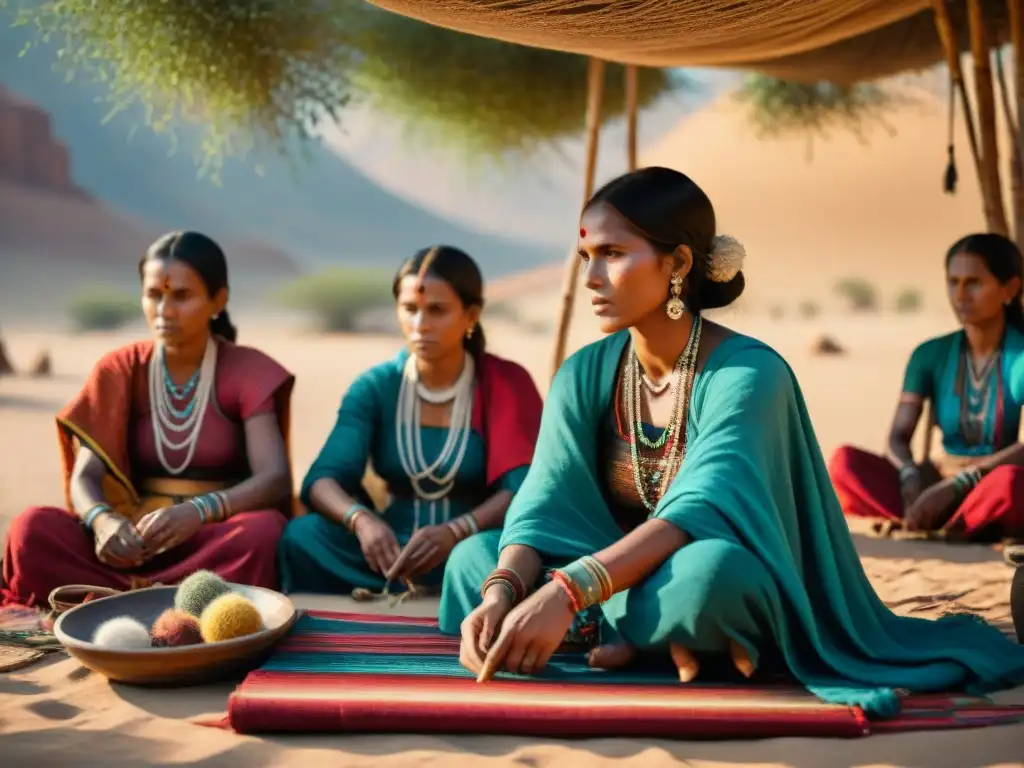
754 475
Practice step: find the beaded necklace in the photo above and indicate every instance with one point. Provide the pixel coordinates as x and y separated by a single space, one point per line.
171 420
656 474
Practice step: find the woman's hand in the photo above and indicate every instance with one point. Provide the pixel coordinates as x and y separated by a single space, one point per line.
912 485
378 542
481 626
531 633
933 507
118 544
166 528
427 549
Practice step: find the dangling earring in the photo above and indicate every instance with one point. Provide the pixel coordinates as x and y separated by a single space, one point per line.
674 307
469 332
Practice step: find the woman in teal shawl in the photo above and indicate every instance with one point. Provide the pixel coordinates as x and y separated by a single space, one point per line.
973 379
743 550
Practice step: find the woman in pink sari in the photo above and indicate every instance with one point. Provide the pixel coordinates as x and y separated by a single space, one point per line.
175 450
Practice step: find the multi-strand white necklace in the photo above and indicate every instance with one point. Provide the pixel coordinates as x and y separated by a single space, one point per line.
176 428
674 434
410 445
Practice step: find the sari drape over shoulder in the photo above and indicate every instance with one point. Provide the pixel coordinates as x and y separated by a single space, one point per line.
100 415
754 476
48 547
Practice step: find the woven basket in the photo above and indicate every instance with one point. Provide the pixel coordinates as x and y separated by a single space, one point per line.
67 597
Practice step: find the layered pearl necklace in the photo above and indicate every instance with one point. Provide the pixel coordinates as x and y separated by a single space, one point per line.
674 434
170 421
410 446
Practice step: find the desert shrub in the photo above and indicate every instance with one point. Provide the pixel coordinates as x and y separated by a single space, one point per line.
860 294
103 309
337 298
809 309
909 300
501 310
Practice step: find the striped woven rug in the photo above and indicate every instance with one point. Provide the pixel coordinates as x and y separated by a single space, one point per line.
354 673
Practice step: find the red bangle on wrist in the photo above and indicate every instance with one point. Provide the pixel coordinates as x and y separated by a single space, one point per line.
570 589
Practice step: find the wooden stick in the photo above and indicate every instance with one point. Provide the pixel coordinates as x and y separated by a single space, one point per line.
1016 148
1016 22
631 121
984 95
595 96
944 26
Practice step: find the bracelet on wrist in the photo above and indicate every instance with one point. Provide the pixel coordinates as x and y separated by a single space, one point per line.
512 579
212 507
89 518
351 515
589 579
965 481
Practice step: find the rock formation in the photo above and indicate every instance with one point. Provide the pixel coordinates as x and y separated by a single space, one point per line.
29 153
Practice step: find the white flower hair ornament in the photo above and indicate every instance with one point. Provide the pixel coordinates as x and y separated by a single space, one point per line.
726 258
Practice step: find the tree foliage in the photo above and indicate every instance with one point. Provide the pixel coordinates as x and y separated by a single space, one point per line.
245 71
781 107
263 72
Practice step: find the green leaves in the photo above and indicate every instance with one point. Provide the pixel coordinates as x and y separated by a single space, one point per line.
247 72
266 72
779 107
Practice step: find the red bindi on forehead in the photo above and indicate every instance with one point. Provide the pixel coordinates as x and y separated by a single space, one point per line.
583 232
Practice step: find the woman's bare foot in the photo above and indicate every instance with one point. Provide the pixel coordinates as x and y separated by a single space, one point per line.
685 662
741 658
611 656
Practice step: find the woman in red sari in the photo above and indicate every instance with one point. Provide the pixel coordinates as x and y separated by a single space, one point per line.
175 450
974 380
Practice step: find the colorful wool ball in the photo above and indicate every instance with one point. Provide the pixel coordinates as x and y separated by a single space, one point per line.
122 632
229 616
198 591
175 627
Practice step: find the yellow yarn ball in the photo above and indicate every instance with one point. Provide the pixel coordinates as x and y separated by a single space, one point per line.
228 617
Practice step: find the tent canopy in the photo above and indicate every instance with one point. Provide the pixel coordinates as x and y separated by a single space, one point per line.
806 40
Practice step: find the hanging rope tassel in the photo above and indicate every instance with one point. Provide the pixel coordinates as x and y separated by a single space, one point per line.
951 177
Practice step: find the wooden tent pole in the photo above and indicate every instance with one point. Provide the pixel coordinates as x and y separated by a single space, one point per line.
1016 20
631 119
595 96
984 96
1016 148
944 26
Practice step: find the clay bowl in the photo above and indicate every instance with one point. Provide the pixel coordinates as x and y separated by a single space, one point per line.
184 665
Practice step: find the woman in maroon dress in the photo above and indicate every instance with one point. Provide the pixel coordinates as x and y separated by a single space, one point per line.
175 450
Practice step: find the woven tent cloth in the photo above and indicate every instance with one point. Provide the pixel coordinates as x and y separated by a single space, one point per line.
838 40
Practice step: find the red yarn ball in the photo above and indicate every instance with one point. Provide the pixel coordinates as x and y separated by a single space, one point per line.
174 628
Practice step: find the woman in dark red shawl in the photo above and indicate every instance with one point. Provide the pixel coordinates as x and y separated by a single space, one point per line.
448 427
175 451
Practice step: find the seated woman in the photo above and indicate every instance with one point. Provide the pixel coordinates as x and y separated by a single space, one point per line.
974 380
174 451
449 428
680 495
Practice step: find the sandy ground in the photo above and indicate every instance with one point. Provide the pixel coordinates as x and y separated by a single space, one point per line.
58 714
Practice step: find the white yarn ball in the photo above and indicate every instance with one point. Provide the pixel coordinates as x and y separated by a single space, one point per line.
122 632
727 256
